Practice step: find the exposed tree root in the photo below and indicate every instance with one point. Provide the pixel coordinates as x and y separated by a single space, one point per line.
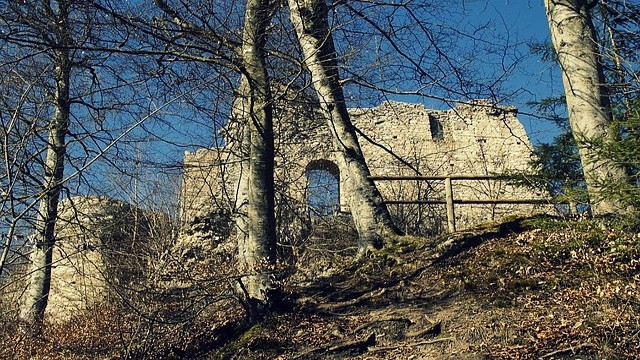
343 304
573 350
378 321
414 344
357 346
432 331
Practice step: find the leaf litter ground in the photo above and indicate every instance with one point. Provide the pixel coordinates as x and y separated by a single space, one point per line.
539 288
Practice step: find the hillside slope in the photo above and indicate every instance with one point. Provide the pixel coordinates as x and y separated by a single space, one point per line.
536 288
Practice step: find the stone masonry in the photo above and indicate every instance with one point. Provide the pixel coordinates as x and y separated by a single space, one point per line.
476 138
97 243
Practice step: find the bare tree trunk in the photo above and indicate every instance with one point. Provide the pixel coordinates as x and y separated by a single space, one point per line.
41 257
257 251
240 114
372 219
575 42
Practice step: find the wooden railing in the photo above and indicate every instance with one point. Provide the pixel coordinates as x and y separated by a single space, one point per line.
448 190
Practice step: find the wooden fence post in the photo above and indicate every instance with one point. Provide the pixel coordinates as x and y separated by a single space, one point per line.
451 217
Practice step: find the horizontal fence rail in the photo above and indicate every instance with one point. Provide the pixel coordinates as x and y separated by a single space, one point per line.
449 198
439 177
475 202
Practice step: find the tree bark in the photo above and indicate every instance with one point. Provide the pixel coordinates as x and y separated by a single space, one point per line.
257 251
575 42
372 219
37 292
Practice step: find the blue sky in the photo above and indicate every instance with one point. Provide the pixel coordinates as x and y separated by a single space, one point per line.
526 20
487 55
521 21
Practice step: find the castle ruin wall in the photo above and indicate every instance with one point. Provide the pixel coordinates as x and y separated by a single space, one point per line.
477 138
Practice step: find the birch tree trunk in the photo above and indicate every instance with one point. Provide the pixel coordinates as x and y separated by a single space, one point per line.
257 251
372 219
575 42
240 114
37 293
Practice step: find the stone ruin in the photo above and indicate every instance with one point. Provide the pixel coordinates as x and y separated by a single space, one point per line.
476 138
100 246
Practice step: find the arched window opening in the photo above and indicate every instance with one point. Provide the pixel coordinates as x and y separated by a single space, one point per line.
323 188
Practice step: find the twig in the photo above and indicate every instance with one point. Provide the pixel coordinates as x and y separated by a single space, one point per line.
418 343
572 349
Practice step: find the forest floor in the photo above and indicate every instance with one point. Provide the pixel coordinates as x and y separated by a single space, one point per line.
538 288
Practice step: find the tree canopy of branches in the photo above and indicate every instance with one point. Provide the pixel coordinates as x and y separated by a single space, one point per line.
87 75
72 101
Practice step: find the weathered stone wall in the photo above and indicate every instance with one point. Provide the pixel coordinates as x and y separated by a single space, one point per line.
472 139
477 138
97 243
